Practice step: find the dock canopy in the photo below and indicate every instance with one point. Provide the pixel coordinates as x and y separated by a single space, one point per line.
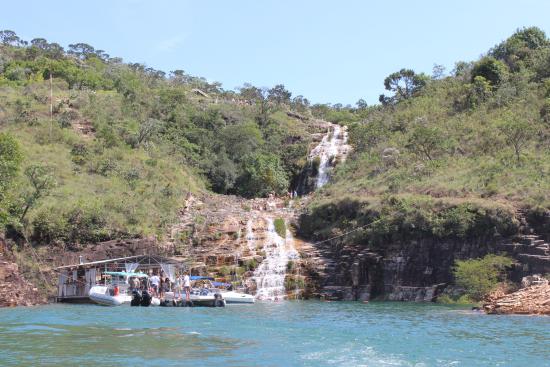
199 277
126 274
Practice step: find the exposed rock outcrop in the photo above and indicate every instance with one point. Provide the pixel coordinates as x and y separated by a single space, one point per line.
15 290
534 299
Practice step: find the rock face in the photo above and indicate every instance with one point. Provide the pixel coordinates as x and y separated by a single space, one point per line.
534 299
15 290
229 238
413 270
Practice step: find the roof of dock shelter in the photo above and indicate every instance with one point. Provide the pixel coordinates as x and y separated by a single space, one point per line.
142 259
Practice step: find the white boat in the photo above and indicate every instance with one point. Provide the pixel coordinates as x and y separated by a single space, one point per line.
236 297
219 287
105 295
197 297
207 298
116 292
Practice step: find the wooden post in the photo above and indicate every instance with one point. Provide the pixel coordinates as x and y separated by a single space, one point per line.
51 103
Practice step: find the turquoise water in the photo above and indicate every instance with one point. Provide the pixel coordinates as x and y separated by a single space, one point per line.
271 334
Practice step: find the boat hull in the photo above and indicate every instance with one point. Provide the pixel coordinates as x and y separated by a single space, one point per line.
101 296
235 297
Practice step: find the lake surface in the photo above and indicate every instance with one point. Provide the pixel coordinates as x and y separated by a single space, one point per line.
299 333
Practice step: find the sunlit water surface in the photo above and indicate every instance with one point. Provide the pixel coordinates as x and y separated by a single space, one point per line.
297 333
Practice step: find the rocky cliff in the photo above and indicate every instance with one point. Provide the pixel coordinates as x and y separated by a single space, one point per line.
15 290
412 266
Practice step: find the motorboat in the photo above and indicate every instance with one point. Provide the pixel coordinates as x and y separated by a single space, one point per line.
197 297
229 296
232 296
206 297
108 295
237 297
116 290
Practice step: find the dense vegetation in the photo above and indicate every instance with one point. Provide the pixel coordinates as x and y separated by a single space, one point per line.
115 150
447 155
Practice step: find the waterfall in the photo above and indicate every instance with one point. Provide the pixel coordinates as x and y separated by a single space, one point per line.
333 144
270 275
250 239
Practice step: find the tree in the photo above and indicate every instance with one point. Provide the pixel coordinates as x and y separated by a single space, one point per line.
81 50
42 181
40 43
520 46
405 83
438 71
241 139
10 161
480 276
279 94
491 69
259 96
300 104
250 92
223 174
517 133
425 141
480 91
9 38
361 104
55 51
263 174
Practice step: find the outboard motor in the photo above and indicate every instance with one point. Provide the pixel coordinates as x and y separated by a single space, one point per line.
136 298
218 300
146 299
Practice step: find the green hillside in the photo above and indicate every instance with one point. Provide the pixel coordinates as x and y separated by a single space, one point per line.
125 143
442 154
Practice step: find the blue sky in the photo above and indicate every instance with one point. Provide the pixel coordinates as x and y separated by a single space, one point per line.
328 51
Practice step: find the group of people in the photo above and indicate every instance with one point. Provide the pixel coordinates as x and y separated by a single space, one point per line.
158 284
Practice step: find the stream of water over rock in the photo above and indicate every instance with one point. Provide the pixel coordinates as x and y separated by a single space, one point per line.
333 144
270 275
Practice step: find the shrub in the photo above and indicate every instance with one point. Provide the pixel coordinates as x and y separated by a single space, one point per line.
480 276
280 227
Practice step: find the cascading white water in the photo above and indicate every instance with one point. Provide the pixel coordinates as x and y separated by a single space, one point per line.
334 143
270 275
250 239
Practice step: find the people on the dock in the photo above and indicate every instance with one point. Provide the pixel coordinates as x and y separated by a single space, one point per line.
178 288
155 283
187 285
167 285
161 286
134 283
